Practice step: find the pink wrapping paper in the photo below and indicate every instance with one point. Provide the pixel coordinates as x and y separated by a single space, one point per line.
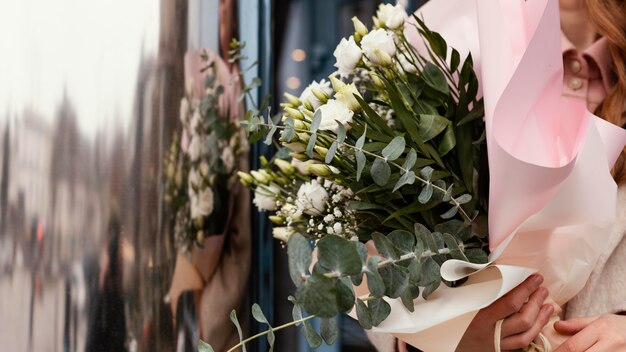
552 198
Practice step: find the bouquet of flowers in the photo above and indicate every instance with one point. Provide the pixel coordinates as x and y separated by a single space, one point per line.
394 150
200 168
390 149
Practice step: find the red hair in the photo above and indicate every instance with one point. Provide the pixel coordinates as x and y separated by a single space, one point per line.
609 19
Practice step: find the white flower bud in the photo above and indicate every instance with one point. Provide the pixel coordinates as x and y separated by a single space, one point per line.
359 27
284 166
346 95
296 114
293 100
309 100
282 233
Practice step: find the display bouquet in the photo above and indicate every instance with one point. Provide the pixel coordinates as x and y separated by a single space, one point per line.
386 173
200 168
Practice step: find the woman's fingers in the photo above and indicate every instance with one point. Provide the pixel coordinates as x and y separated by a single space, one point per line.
580 342
573 326
513 301
522 340
523 320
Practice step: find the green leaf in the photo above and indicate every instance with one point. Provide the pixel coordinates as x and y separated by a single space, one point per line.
380 172
438 44
406 179
450 213
394 149
311 336
415 207
258 315
407 298
359 205
345 295
410 160
430 126
427 173
405 116
374 118
270 135
338 255
329 330
433 76
331 152
395 278
204 347
296 312
453 245
423 234
455 60
362 250
318 296
317 119
311 145
384 246
299 253
448 141
464 198
363 315
361 141
426 193
233 318
403 240
374 280
379 309
477 112
430 276
289 132
360 163
476 255
341 132
257 136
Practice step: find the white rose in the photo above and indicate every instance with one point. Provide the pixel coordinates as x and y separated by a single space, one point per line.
312 198
381 40
307 95
228 158
405 65
282 233
335 111
265 199
202 203
196 147
348 55
392 16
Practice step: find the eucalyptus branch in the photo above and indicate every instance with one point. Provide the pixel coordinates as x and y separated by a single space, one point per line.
263 333
423 181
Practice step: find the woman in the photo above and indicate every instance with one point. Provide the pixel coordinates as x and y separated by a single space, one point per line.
594 54
594 44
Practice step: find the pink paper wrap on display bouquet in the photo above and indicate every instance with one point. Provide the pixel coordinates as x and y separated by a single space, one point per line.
552 197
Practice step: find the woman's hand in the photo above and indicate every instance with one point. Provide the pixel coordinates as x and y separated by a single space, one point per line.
605 333
524 314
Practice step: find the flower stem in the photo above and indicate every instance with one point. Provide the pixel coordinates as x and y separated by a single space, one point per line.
240 344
